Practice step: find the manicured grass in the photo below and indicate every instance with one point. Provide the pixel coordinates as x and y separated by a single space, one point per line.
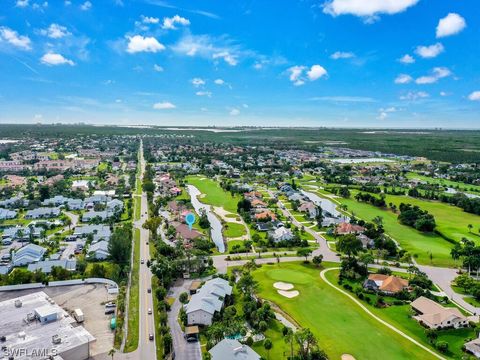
400 317
131 343
233 230
339 325
138 208
418 244
232 243
280 349
444 182
214 194
451 221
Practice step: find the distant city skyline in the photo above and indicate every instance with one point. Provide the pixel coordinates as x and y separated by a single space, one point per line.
334 63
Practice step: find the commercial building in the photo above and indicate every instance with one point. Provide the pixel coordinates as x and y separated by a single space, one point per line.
35 327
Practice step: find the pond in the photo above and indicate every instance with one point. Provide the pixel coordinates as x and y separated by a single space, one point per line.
326 204
215 224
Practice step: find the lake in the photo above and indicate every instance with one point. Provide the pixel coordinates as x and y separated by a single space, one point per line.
215 224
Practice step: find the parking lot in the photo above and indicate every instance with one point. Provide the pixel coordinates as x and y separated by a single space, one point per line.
90 298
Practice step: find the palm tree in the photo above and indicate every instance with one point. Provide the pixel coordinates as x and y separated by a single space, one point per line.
289 337
111 352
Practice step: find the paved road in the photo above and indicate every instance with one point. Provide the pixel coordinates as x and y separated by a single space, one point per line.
183 350
146 348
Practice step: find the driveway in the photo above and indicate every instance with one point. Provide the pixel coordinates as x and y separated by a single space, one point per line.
183 350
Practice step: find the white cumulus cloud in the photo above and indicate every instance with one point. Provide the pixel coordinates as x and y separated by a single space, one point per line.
437 74
219 81
403 79
55 31
316 72
150 20
414 95
22 3
298 74
138 43
407 59
53 59
204 93
87 5
12 37
234 112
169 23
342 55
368 9
474 96
165 105
430 51
157 68
227 57
197 82
450 25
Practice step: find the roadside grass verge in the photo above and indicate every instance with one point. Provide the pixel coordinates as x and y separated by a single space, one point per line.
133 306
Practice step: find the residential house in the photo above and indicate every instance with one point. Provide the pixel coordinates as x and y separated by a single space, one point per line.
90 215
345 228
473 347
82 185
99 250
28 254
229 349
7 214
47 265
99 232
435 316
265 215
367 243
309 208
387 284
281 234
42 213
206 301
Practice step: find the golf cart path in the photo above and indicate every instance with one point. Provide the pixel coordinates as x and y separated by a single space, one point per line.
364 308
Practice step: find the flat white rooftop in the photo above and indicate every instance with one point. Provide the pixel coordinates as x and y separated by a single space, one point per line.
24 337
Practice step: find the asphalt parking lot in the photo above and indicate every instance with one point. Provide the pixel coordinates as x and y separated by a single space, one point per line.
90 298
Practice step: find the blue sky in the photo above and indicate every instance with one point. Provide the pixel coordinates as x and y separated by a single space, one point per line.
345 63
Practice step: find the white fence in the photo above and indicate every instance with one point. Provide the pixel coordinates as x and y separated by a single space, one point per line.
112 286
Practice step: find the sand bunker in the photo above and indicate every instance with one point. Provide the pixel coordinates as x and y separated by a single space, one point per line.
347 357
289 294
283 286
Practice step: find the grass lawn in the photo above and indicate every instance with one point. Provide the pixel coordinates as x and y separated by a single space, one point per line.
233 230
214 194
336 321
451 221
444 182
399 316
418 244
232 243
131 343
279 349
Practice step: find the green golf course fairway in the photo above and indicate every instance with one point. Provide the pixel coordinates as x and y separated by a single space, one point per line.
418 244
340 326
214 194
